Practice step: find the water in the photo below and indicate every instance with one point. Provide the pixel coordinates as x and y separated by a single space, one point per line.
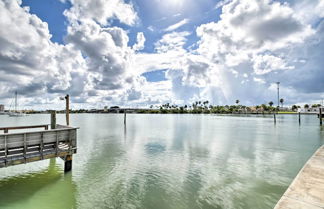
166 162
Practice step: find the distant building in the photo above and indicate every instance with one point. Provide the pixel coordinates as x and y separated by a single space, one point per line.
309 110
1 108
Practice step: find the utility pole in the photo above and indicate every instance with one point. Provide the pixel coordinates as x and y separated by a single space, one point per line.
278 83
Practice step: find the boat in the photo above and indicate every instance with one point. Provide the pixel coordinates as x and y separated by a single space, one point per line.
16 113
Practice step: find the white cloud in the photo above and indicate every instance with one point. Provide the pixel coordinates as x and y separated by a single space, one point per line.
150 28
140 42
30 62
264 64
95 58
177 25
172 42
248 27
102 11
259 80
252 37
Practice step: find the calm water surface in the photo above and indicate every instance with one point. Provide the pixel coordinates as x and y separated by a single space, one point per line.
166 162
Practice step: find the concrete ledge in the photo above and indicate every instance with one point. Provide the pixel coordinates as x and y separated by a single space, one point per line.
307 189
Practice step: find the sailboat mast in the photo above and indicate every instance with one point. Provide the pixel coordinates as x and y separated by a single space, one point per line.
16 101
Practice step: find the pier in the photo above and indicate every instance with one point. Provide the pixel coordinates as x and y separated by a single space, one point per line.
30 146
307 189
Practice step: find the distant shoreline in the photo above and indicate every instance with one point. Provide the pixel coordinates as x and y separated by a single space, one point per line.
170 113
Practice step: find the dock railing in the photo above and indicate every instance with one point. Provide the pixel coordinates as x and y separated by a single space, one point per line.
6 129
19 148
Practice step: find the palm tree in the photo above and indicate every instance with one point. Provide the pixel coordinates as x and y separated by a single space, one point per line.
294 108
306 106
237 101
281 101
271 103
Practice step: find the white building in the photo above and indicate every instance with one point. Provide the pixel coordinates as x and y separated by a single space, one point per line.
310 110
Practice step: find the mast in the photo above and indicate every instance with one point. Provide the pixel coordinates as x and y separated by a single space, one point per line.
16 101
278 93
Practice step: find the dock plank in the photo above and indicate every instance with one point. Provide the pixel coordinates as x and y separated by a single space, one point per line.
307 189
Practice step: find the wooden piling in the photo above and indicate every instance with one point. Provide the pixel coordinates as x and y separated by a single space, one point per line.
274 118
53 120
299 117
320 115
67 111
68 163
125 117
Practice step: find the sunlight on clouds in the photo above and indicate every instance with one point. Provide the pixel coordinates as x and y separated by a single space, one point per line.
174 3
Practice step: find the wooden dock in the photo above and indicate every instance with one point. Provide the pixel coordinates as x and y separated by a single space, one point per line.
30 146
307 190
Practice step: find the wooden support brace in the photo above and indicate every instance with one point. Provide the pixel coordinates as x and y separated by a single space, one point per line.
57 143
25 146
42 146
6 149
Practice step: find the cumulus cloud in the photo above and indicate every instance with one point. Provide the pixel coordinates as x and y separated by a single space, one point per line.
258 38
94 58
102 11
106 51
172 42
264 64
140 42
252 37
30 62
248 27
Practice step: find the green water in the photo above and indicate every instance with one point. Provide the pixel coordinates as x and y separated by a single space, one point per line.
166 162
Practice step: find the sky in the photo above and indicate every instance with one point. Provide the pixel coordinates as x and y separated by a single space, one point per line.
138 53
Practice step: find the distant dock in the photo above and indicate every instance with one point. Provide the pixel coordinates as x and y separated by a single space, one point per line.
307 189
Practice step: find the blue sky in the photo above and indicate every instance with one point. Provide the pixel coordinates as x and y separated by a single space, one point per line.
150 52
51 11
151 16
149 12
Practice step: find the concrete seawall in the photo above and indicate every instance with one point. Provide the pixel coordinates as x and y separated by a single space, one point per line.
307 189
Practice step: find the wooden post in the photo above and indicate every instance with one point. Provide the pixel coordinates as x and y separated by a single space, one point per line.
274 118
320 115
299 117
68 163
124 117
53 119
67 110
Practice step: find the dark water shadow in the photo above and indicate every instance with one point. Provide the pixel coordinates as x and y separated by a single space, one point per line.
23 188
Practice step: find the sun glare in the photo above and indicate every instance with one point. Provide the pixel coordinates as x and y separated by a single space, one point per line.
176 4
